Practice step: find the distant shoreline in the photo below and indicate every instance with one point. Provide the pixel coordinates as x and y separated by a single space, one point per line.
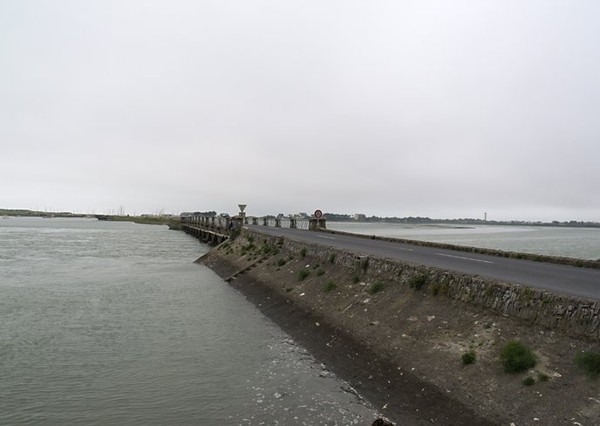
172 222
428 221
334 217
36 213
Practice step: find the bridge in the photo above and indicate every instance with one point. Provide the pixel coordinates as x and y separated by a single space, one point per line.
214 229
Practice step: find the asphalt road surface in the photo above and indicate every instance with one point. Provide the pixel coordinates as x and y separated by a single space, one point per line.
567 280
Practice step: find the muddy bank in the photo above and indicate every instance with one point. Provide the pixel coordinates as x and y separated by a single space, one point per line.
400 346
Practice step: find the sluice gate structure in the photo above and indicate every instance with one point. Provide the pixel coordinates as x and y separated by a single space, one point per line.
214 229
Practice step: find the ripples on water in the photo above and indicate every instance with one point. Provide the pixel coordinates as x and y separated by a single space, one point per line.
111 323
579 243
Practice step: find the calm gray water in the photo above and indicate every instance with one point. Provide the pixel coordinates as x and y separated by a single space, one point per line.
579 243
111 323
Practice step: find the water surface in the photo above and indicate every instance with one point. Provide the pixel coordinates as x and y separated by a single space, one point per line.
579 243
111 323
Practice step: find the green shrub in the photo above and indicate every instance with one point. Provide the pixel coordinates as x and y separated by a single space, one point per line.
542 377
281 262
303 273
332 258
355 279
266 248
528 381
376 287
330 286
417 281
516 357
303 252
320 272
590 362
468 357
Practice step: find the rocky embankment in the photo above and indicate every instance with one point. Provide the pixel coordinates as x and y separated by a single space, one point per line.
398 332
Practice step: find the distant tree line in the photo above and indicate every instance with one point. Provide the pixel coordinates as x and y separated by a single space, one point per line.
337 217
36 213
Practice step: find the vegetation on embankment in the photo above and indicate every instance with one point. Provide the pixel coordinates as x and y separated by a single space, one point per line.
408 317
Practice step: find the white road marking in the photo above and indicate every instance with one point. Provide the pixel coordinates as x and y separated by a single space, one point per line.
326 237
464 258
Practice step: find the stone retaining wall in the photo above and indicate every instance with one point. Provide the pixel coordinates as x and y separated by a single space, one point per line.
571 315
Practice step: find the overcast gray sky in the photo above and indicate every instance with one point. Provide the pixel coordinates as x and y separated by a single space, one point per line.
390 108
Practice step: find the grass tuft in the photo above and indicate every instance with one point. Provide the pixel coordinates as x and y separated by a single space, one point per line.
248 248
329 287
302 274
590 362
528 381
468 357
376 287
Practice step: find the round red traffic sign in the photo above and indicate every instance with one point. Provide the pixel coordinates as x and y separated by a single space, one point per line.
318 214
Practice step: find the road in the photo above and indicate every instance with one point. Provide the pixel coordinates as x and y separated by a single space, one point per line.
567 280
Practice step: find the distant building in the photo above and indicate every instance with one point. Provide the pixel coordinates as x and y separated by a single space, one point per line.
359 217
